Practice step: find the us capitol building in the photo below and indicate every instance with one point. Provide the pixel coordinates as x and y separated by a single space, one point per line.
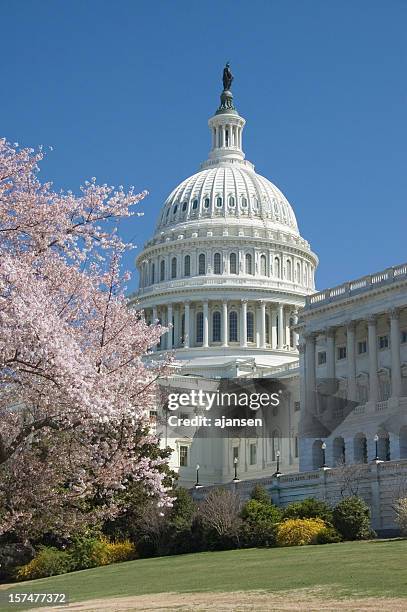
229 273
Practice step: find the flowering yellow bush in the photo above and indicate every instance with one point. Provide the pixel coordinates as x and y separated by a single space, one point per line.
298 532
120 551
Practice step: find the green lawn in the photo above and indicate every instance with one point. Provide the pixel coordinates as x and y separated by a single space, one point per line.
374 568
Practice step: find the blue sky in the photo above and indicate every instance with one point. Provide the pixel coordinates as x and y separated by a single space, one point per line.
123 90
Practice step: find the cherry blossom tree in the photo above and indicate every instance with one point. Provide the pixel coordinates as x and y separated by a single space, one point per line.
75 394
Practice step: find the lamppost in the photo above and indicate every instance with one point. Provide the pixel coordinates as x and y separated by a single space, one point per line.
323 446
235 462
277 472
197 485
376 440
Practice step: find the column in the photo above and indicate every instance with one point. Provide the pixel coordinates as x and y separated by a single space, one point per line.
287 328
205 324
310 376
280 326
169 325
273 328
373 378
224 323
155 317
177 322
243 324
330 352
350 353
395 353
295 334
263 325
186 325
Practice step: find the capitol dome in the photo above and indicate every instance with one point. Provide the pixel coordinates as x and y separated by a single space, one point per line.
226 269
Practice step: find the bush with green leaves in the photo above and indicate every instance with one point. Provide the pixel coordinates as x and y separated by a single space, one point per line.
351 517
87 551
308 508
260 521
260 494
328 535
48 561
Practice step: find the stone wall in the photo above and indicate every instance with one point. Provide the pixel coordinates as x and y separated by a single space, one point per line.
378 483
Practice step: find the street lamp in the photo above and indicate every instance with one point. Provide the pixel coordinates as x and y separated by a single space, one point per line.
323 446
376 440
197 485
277 472
235 462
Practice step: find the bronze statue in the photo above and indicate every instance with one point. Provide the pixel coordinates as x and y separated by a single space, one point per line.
227 77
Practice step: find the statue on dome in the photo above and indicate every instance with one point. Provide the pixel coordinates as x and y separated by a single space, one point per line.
227 77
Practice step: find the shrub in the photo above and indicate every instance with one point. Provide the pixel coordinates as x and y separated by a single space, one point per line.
49 561
219 514
298 532
400 508
308 508
13 555
260 521
328 535
260 494
88 551
116 552
351 517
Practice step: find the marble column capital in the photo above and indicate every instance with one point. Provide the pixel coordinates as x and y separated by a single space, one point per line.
394 313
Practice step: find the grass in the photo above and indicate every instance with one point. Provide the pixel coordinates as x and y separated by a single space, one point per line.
374 568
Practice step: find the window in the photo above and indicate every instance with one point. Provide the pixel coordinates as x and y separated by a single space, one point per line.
199 327
404 336
183 456
267 328
383 342
244 202
216 326
250 327
341 352
219 202
187 265
201 264
263 265
253 454
231 202
298 273
217 263
255 203
233 263
175 209
289 270
249 266
152 273
233 326
297 406
206 202
195 204
362 347
174 267
162 270
321 357
277 267
184 206
296 447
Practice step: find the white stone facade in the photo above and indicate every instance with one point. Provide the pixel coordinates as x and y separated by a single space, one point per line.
354 354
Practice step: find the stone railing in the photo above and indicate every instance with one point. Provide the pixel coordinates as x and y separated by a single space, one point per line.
360 285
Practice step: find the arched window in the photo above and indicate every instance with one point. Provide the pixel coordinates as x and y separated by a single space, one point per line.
267 328
152 273
231 201
217 263
162 270
275 444
195 204
244 202
360 448
233 263
199 327
249 265
250 327
216 326
338 451
174 267
276 267
289 269
263 265
175 209
233 326
206 202
306 276
187 265
201 264
184 206
383 446
298 273
317 455
219 202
